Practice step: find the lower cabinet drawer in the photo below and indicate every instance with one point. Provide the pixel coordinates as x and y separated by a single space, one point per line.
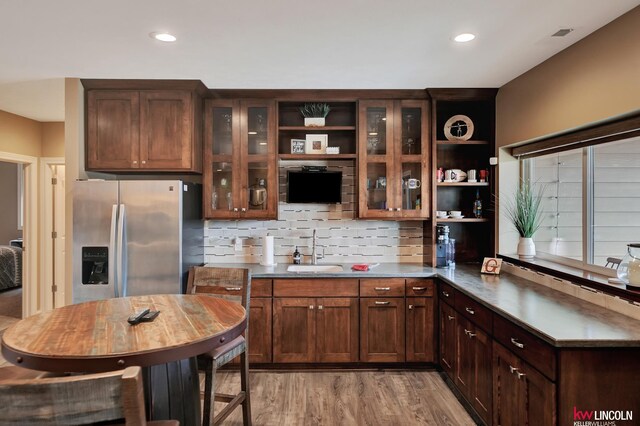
447 293
393 287
527 346
419 287
477 313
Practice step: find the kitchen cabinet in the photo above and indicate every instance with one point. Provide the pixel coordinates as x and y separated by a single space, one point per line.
240 155
420 317
473 235
448 339
393 159
521 395
315 320
260 321
382 329
143 130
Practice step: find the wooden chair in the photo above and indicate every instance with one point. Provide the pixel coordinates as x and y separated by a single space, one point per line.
613 262
76 400
233 284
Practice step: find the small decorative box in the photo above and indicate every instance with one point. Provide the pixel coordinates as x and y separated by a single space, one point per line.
333 150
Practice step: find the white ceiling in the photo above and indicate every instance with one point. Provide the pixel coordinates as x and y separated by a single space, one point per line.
281 43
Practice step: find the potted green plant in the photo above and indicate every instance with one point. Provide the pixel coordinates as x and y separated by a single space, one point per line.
314 114
525 212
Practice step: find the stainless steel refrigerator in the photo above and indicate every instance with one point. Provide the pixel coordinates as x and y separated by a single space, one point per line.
134 237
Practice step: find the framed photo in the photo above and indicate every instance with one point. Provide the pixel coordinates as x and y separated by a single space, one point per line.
298 146
316 144
491 265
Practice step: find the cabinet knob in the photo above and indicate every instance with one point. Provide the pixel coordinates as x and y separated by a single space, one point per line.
410 307
235 209
390 209
450 318
311 307
143 162
520 375
517 344
512 369
469 333
135 161
471 311
244 210
320 307
445 294
398 209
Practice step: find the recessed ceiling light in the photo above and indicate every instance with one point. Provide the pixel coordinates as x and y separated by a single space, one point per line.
166 37
465 37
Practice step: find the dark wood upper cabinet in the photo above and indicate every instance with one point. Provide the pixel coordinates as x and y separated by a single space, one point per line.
113 130
240 155
393 159
143 130
420 325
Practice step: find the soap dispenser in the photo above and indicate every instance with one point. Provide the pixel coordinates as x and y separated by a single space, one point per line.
296 257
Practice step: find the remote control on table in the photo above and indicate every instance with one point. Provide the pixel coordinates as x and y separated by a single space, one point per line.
150 316
137 316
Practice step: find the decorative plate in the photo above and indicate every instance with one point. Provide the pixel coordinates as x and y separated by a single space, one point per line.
458 128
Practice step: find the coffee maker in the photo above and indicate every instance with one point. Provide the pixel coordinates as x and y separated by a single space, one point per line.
442 245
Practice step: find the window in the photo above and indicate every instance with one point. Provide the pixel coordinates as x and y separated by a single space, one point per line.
592 201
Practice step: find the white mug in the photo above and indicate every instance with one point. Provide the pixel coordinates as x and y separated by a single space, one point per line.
471 175
413 183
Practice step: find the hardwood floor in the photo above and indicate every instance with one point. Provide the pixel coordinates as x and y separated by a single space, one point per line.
346 398
5 322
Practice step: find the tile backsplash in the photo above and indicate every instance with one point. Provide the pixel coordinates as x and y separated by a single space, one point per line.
343 238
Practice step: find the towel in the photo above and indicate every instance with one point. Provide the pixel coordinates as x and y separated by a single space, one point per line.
363 266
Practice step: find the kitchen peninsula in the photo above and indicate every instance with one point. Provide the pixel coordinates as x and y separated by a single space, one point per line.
511 347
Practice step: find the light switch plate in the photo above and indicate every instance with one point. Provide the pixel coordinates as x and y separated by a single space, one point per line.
237 244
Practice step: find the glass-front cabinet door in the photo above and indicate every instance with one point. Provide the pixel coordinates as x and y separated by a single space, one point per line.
412 159
375 159
393 160
240 175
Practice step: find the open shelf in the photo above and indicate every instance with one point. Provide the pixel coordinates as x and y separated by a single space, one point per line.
316 129
317 156
463 184
464 220
469 142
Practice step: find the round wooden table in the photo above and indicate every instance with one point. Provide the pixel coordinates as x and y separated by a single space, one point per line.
96 337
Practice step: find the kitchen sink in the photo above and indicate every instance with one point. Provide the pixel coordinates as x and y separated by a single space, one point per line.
314 268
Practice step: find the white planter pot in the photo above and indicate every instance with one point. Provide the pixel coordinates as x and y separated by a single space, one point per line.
314 122
526 248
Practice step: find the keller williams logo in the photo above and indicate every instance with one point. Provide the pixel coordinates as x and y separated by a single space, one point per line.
600 418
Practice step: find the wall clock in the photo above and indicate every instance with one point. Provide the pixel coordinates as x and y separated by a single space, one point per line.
458 128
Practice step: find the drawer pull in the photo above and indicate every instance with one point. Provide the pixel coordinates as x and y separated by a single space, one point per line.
450 317
471 311
512 369
381 303
311 307
517 344
520 375
445 294
419 288
382 288
233 288
469 333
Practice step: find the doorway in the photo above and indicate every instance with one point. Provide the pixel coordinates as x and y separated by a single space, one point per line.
27 275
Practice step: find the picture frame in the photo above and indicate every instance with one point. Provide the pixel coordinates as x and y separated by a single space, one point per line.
316 144
298 146
491 266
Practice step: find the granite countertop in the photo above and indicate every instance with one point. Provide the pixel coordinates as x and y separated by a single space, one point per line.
558 318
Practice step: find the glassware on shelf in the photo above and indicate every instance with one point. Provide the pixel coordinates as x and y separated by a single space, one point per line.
408 141
477 205
373 134
229 201
226 119
214 198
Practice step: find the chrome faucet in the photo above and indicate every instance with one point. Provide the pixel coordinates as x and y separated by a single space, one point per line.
314 255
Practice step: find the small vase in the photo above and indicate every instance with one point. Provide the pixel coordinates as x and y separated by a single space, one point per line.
526 248
314 122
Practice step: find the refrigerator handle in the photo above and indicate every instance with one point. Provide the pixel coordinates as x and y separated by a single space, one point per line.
121 266
112 250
